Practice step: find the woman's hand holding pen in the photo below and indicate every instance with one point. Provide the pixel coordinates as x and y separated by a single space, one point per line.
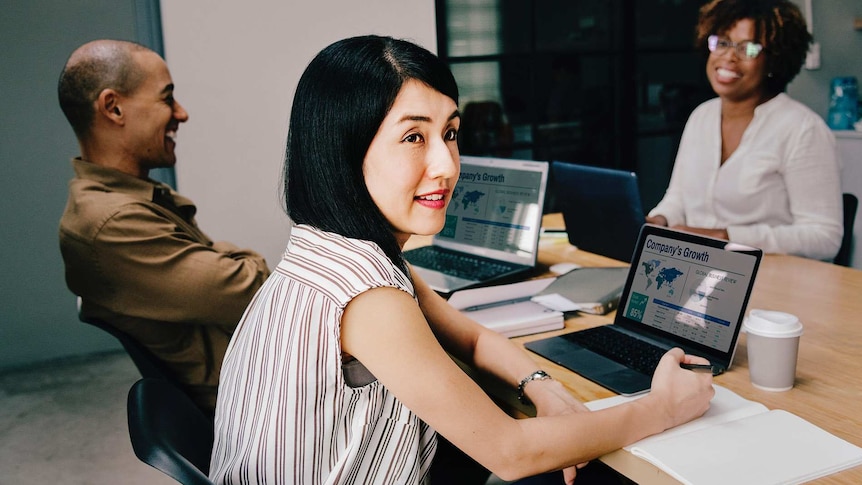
682 395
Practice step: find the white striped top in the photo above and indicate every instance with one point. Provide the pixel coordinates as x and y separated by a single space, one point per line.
285 414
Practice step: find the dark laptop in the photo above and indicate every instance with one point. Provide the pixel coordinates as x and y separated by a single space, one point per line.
601 208
492 227
682 290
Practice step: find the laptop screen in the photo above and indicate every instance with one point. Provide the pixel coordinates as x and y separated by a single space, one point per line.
690 287
601 208
496 209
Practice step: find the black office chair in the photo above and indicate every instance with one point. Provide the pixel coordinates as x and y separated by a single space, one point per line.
851 204
169 432
147 363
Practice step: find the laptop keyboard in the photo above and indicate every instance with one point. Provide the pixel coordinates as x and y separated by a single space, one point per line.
625 349
457 264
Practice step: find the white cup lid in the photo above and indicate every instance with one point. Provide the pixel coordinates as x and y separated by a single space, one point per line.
769 323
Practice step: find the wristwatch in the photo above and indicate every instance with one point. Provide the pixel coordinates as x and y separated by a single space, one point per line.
539 375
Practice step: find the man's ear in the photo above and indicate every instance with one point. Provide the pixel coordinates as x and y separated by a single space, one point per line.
108 105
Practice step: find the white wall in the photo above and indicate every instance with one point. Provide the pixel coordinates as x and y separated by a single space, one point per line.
235 66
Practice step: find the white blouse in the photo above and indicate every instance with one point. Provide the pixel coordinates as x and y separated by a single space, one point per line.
285 413
779 191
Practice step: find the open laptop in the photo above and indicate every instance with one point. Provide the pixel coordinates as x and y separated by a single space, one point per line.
492 228
601 208
682 290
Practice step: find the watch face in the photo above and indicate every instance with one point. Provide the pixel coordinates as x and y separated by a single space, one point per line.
539 375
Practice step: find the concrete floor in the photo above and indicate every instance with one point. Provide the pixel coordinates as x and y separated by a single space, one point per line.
64 422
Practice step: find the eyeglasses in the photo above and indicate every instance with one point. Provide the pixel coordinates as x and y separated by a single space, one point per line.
745 49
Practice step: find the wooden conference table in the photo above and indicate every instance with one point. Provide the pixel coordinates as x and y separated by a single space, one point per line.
828 390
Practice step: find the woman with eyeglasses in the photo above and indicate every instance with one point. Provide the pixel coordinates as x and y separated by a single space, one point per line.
755 166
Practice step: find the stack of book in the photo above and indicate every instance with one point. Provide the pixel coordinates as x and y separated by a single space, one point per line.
540 305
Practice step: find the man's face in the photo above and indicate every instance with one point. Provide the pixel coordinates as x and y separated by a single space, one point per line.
152 115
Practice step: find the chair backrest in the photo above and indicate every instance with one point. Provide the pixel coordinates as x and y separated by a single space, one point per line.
169 432
147 363
851 204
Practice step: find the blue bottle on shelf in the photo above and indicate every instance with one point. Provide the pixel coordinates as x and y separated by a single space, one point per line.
843 103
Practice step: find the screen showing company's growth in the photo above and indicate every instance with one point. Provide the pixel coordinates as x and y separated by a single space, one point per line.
690 290
494 208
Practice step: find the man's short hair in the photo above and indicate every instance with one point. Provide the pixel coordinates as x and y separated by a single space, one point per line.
91 69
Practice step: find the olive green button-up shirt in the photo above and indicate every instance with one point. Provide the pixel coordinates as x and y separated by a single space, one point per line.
138 260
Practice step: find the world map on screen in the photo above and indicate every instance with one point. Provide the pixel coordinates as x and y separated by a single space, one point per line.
471 199
661 276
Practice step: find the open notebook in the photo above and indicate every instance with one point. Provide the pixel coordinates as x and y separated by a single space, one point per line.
741 441
682 290
493 224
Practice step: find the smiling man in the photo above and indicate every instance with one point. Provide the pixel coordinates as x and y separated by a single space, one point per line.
132 249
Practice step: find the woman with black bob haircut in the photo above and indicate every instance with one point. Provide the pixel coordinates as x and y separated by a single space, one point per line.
340 371
754 166
340 101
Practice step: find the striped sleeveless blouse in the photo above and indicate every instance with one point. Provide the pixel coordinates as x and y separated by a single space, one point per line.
285 413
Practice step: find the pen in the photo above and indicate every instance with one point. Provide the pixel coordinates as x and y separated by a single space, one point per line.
496 304
697 367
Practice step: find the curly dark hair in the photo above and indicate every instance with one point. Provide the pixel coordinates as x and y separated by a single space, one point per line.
778 25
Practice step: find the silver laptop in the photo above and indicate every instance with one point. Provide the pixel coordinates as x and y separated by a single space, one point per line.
492 227
601 208
682 290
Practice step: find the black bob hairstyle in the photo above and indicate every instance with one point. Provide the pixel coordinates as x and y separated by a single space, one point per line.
340 102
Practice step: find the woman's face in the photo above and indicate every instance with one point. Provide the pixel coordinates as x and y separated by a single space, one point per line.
412 164
734 77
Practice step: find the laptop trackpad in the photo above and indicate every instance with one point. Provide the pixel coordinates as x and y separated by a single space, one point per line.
585 362
606 372
439 281
594 367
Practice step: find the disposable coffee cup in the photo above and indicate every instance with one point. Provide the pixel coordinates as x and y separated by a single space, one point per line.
773 346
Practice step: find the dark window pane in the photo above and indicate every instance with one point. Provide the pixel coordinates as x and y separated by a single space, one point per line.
601 82
487 27
575 108
495 107
666 24
567 25
669 86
